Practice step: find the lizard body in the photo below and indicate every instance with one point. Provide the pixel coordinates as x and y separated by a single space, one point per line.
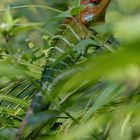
63 52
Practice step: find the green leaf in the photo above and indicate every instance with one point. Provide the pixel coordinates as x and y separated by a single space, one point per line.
20 28
61 16
11 71
76 10
77 3
15 100
85 43
8 17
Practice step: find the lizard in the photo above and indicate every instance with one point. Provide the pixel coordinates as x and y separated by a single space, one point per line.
63 53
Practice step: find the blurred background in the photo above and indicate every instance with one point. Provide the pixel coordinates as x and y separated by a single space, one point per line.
24 42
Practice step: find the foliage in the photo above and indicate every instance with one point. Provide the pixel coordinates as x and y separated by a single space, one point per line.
100 96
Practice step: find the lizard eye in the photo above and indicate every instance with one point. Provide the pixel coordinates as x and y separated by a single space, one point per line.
96 2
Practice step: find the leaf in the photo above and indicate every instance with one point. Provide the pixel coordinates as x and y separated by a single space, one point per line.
76 10
19 28
11 71
14 100
8 17
110 92
84 44
77 3
61 16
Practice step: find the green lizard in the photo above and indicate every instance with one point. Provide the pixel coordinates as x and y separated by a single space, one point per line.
65 48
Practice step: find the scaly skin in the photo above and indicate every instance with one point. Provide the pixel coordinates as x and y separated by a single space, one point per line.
62 53
96 13
72 32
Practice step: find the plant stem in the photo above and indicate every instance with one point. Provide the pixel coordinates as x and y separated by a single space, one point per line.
32 6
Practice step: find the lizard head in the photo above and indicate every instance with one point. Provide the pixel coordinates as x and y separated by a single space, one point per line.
94 11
